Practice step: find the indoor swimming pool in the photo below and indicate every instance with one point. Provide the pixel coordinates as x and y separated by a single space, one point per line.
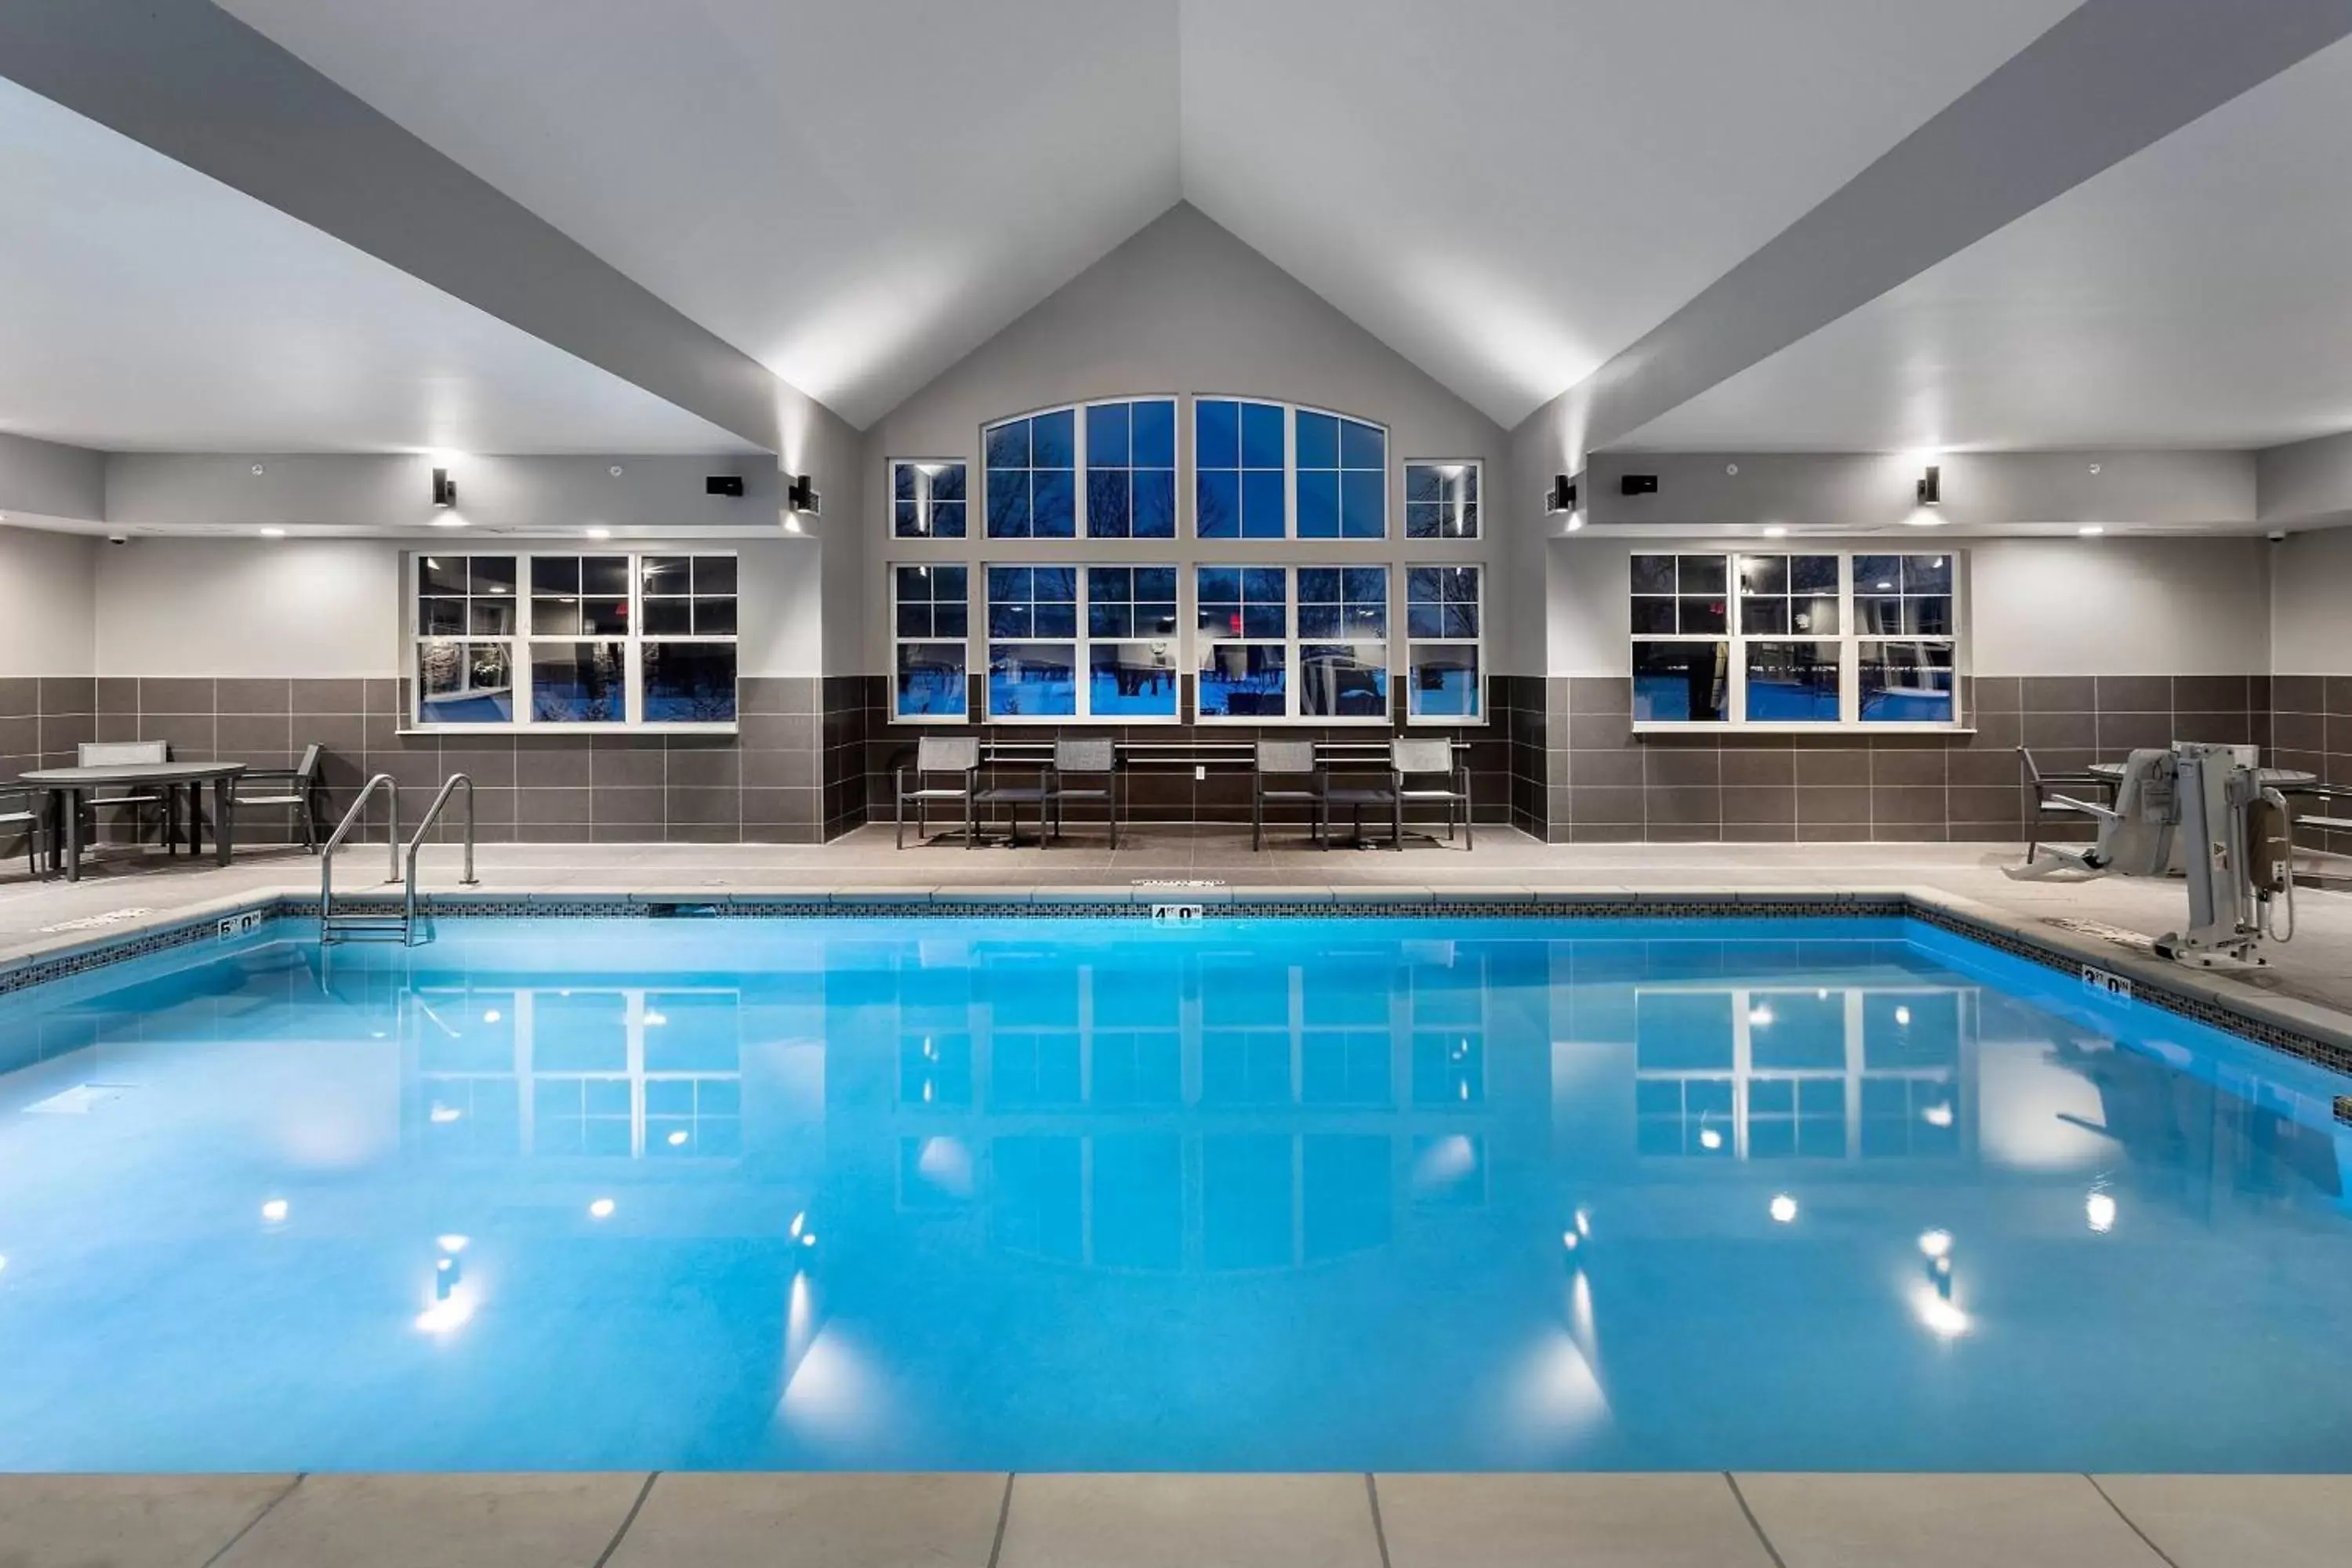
1096 1195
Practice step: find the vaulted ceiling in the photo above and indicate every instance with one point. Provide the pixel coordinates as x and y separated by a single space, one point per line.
1516 194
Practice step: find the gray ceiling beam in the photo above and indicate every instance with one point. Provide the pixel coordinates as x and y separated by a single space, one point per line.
2111 78
188 79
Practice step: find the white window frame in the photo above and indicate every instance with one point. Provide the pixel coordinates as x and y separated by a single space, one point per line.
1474 468
1083 644
1175 472
926 470
1478 715
1391 526
897 641
518 642
1847 641
1291 643
1080 537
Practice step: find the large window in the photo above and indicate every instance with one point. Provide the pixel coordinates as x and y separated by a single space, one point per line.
1343 648
1794 639
1033 648
1131 642
1444 627
1441 500
1240 464
614 641
933 608
1131 468
1243 643
927 498
1053 654
1343 478
1032 464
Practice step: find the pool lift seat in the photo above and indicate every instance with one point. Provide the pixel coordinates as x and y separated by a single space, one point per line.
2204 811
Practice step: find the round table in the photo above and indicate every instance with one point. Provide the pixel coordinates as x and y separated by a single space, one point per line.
67 786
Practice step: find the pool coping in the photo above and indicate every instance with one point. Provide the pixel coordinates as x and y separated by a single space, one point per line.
2308 1031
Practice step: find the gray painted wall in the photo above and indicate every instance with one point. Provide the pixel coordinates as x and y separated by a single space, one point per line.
1185 308
2306 481
2311 604
49 584
46 478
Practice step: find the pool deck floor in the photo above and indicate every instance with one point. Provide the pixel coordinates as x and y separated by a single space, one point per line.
979 1520
995 1520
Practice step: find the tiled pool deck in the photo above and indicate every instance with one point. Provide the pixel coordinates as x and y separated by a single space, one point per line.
1361 1522
995 1520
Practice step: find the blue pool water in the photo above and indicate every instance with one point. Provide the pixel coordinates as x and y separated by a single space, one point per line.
1282 1194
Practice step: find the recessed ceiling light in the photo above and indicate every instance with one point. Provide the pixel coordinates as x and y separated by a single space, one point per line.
1776 532
2092 529
600 533
446 521
273 533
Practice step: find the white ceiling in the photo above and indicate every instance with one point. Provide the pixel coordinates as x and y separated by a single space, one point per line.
855 195
1506 191
143 306
2194 295
1509 191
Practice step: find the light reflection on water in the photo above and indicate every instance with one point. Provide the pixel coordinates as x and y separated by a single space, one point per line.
1285 1194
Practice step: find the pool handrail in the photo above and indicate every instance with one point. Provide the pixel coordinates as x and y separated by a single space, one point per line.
416 843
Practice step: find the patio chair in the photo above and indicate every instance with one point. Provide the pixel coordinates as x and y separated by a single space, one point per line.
295 788
1088 757
139 802
26 811
2051 796
1281 761
1428 760
934 755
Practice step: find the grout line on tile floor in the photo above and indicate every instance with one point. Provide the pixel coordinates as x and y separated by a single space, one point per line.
1003 1515
627 1519
2129 1522
1380 1532
1753 1523
230 1544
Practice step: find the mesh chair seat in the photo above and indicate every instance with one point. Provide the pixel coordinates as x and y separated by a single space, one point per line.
1289 760
1088 756
1426 759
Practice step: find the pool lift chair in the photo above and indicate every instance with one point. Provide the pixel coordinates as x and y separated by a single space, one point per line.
2204 811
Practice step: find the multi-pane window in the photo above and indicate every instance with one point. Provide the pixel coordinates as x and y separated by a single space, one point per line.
465 624
1239 463
1441 500
932 606
566 639
1343 478
1802 639
1343 649
1445 626
1131 468
927 498
1904 650
1243 643
1033 476
1032 651
1131 641
1788 621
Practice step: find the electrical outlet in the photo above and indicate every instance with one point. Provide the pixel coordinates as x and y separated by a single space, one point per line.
1200 773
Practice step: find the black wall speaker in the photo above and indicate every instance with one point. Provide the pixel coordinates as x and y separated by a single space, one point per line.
1638 485
723 485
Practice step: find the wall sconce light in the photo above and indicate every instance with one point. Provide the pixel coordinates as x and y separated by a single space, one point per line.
1931 487
801 499
445 489
1561 496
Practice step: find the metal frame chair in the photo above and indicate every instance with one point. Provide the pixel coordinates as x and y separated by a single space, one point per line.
1289 759
2047 803
105 753
1083 754
937 754
28 815
1431 758
300 792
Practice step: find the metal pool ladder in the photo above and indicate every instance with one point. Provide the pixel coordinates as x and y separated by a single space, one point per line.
358 925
